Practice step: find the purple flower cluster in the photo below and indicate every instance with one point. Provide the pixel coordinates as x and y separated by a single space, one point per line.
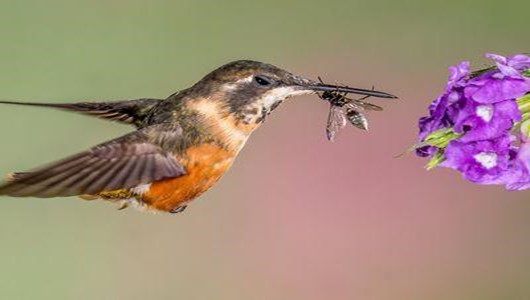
477 126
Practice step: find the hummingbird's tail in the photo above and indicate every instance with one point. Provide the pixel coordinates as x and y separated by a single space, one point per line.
127 111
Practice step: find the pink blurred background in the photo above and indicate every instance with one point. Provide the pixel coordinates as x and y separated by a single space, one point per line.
296 217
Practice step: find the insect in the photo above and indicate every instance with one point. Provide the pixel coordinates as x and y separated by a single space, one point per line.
343 109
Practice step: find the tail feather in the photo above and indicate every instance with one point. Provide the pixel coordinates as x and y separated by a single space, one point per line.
127 111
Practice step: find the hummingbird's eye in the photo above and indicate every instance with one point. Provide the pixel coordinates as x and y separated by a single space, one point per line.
263 81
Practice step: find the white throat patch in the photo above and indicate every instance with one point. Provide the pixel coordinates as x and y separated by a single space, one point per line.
280 94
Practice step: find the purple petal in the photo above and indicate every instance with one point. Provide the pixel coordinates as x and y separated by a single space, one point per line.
482 162
520 61
521 167
502 64
511 66
458 74
491 90
486 121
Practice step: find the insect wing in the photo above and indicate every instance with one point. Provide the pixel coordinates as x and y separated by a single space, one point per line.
336 121
361 105
369 106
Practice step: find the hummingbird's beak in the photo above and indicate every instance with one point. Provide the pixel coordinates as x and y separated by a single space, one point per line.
323 87
346 89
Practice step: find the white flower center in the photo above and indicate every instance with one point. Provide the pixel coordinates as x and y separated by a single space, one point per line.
487 159
485 112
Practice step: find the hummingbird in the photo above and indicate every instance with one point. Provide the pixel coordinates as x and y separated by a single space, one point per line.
182 145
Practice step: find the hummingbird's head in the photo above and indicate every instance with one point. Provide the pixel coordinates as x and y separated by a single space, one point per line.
251 90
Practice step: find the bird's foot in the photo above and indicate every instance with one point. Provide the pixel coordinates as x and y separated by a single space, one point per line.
178 209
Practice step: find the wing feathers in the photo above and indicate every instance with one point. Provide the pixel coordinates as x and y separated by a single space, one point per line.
126 111
122 163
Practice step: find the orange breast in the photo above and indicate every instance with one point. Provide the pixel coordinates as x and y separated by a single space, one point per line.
204 164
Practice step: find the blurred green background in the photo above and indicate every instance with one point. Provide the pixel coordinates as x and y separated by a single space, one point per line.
296 217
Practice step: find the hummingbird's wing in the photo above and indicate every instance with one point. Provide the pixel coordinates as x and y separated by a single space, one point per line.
126 111
137 158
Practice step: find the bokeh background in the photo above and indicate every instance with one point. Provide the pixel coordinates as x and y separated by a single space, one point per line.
296 217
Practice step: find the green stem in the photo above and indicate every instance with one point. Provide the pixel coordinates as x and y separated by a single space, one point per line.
441 138
437 159
524 104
